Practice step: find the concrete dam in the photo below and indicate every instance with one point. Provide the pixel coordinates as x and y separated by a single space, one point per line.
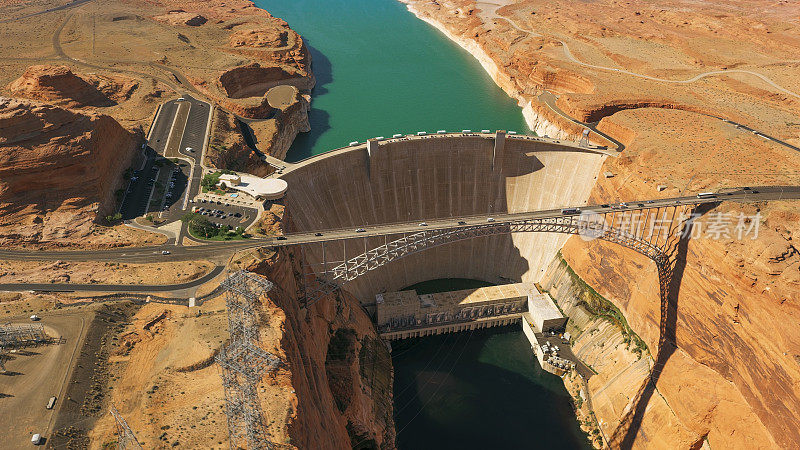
439 176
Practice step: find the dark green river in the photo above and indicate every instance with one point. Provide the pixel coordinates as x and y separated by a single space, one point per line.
478 390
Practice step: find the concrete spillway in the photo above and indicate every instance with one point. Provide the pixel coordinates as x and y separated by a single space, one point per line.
420 178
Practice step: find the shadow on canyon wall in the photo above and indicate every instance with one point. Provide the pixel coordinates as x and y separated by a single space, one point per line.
670 278
319 119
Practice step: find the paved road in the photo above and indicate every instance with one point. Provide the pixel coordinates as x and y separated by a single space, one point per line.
69 5
492 11
757 194
549 100
217 250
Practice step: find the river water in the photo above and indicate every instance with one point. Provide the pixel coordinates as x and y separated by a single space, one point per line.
478 390
382 71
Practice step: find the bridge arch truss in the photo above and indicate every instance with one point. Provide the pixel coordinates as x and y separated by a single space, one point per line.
651 232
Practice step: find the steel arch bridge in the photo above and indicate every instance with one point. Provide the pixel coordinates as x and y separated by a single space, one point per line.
652 232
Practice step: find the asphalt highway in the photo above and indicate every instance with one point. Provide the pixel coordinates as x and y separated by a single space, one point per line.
215 250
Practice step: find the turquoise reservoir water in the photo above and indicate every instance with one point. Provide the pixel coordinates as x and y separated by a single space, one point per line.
382 71
478 390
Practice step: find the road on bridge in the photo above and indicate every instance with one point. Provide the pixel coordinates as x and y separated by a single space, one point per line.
216 250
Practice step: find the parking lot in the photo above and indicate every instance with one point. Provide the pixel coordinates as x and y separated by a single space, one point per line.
222 213
166 185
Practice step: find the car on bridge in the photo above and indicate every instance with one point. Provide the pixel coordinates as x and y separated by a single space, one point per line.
570 211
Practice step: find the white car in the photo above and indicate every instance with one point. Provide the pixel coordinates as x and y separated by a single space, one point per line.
190 149
490 219
423 224
165 252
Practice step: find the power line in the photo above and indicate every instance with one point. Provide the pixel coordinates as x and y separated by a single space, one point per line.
243 362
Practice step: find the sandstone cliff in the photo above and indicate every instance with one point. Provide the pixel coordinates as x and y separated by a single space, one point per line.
59 85
734 379
646 73
599 58
339 370
273 136
292 120
59 170
228 149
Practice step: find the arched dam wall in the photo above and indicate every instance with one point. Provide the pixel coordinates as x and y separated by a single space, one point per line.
439 176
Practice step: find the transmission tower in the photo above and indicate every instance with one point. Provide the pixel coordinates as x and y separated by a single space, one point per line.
125 437
243 362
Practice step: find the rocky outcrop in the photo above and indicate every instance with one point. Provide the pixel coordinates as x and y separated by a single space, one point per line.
255 80
339 370
291 121
61 86
228 149
734 377
59 169
181 17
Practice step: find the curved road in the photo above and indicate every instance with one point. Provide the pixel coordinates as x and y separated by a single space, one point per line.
492 12
218 249
122 288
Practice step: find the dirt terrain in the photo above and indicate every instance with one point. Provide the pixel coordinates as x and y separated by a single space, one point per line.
99 69
35 374
333 392
98 272
658 78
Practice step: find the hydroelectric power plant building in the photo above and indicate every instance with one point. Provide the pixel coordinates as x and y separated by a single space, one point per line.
405 314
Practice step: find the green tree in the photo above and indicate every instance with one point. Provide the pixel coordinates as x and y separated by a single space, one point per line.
199 225
113 218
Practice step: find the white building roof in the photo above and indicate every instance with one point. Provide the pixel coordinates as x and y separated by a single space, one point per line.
266 188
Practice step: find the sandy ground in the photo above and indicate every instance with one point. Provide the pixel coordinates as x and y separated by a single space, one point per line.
102 272
37 373
163 379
